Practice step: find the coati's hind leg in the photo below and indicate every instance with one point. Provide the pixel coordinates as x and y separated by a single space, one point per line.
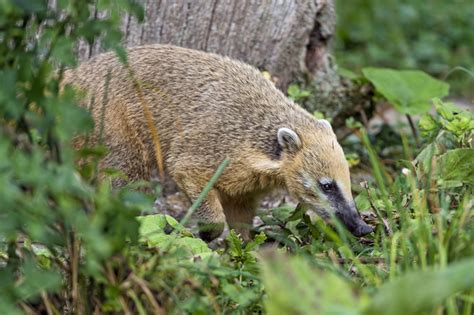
239 212
211 218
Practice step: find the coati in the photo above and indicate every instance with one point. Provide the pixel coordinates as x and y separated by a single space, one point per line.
206 108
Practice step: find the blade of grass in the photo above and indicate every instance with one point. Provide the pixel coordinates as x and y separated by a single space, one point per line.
105 99
379 175
393 255
205 191
155 137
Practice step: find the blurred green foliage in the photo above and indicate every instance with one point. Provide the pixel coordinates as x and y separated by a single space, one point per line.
290 279
296 94
70 244
431 35
50 215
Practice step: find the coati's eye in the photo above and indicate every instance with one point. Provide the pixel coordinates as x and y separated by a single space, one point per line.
327 186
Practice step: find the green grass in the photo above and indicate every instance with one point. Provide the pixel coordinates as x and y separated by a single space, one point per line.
69 243
418 261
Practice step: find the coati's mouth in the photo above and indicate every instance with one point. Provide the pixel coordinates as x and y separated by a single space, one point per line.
350 218
354 223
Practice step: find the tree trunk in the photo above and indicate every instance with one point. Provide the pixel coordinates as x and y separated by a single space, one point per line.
288 38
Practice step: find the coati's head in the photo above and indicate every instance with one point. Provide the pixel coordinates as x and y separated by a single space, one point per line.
317 174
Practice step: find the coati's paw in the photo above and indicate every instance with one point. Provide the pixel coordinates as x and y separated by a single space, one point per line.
245 234
210 231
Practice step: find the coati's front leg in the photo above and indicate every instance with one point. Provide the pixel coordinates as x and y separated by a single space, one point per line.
126 148
210 214
239 212
211 217
132 160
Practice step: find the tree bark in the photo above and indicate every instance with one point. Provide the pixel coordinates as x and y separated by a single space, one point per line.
288 38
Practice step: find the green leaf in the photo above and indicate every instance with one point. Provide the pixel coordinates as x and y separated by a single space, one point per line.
427 123
362 201
293 90
150 224
296 93
319 115
37 279
456 165
409 91
256 242
195 246
63 51
305 94
31 6
235 244
294 287
243 296
457 121
298 212
156 230
346 73
416 292
446 110
9 307
283 213
423 160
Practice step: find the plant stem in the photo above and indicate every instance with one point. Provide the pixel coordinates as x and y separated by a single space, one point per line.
413 129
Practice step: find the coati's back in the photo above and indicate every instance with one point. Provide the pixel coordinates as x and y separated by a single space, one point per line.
204 106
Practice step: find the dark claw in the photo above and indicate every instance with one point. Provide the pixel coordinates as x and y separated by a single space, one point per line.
209 232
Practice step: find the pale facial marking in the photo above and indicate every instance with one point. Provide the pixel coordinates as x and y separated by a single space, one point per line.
325 181
308 183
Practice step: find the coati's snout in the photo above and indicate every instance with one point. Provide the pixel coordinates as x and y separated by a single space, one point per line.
329 200
317 173
335 202
354 223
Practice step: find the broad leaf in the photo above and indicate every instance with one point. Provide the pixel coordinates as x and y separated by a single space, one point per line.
362 201
419 292
294 287
156 231
409 91
456 165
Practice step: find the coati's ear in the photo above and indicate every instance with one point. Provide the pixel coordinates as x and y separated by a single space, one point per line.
325 123
288 140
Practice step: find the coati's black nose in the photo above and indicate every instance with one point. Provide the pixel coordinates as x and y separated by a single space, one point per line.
363 229
354 223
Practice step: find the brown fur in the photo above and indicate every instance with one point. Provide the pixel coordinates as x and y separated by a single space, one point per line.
206 108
